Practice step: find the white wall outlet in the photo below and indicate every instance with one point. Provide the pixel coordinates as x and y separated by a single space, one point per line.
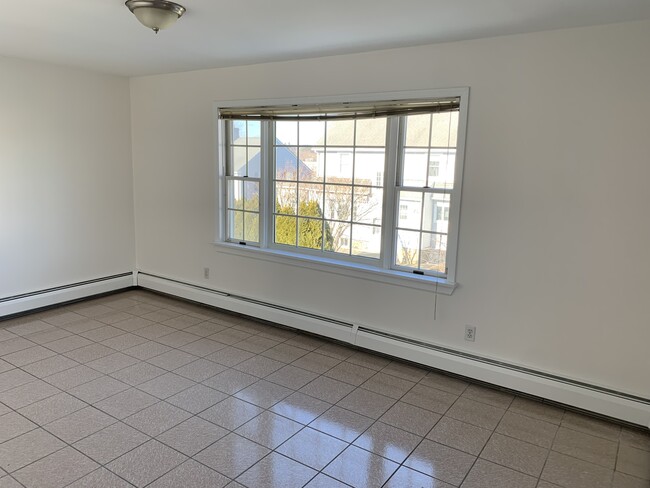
206 273
470 333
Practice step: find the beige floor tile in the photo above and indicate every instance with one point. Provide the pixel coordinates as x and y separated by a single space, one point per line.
527 429
27 448
586 447
26 394
192 436
102 333
488 475
230 356
327 389
172 360
232 455
368 360
79 424
350 373
13 378
316 363
146 463
231 413
388 385
342 423
166 385
259 366
515 454
50 366
126 403
276 470
52 408
68 344
100 478
269 429
77 375
490 396
404 477
537 410
230 381
429 398
312 448
124 341
590 425
300 408
145 350
197 398
203 347
156 419
441 462
475 413
284 353
138 373
200 370
89 353
99 389
191 474
27 356
112 363
571 472
636 438
257 344
622 480
292 377
371 404
410 418
405 371
110 443
460 435
321 481
13 425
338 351
387 441
358 467
263 394
56 470
633 461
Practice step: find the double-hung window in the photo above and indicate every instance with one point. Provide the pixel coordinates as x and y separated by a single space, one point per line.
364 185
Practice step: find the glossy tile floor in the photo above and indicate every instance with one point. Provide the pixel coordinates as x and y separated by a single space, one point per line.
144 390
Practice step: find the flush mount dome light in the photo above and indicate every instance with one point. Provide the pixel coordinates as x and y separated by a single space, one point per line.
155 14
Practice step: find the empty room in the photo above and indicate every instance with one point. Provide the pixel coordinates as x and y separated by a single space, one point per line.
348 244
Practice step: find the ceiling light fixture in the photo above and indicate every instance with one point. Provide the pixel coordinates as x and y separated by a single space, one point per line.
155 14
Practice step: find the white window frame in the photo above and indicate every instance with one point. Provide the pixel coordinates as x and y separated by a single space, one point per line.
384 272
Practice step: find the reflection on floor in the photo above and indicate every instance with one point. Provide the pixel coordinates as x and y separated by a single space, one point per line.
138 389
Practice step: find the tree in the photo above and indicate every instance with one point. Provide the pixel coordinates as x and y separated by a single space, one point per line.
310 233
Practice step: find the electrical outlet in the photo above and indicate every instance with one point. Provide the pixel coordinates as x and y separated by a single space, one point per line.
470 333
206 273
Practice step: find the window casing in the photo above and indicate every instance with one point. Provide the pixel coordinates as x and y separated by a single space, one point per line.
381 192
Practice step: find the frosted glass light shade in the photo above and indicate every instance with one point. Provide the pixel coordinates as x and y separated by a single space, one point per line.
155 14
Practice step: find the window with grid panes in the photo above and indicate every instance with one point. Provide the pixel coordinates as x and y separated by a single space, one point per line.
380 189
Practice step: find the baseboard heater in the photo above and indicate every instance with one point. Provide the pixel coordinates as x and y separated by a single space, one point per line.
34 300
593 398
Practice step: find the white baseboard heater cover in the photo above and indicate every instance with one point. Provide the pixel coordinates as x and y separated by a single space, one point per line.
65 293
610 403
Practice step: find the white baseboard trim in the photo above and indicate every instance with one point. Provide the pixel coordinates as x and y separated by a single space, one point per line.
66 293
591 398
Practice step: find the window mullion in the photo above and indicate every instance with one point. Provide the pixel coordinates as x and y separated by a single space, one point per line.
266 186
388 219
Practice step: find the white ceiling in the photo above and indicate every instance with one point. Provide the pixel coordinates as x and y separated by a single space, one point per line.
103 35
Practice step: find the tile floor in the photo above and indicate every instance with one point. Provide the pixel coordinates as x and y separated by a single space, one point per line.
137 389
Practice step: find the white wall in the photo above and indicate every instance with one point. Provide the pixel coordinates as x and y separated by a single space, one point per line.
66 179
554 236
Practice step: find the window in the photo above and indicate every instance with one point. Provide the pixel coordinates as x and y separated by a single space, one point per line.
375 185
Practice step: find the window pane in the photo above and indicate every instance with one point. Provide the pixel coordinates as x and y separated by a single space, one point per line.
311 164
340 132
414 172
338 202
340 237
238 158
254 161
434 252
436 212
253 129
311 200
310 233
445 161
286 198
286 132
312 133
369 166
368 205
339 163
235 194
286 163
408 248
410 210
365 241
417 130
238 132
252 196
371 132
235 225
285 230
445 128
251 226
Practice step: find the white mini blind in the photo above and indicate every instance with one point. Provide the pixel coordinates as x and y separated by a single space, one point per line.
342 111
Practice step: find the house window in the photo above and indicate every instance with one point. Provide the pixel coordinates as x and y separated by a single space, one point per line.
373 183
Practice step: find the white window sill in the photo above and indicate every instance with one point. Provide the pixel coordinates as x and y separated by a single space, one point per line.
354 270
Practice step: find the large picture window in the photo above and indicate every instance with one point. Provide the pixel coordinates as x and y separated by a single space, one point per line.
369 184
